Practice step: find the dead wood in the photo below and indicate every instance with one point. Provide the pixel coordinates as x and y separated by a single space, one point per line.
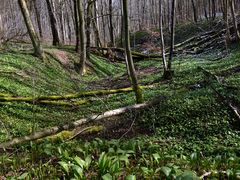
56 129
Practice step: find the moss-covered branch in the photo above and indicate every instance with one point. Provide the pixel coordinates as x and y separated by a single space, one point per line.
65 97
56 99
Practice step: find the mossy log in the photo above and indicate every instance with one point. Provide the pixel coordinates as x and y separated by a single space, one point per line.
55 100
71 125
46 99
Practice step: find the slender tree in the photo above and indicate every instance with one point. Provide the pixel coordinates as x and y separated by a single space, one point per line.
162 38
129 60
53 21
38 18
111 24
195 17
83 51
76 22
225 17
88 26
235 25
95 26
169 75
38 51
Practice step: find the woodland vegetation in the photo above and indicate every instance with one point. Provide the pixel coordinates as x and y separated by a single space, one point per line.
120 89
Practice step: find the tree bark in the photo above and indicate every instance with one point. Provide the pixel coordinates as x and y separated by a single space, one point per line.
38 51
171 53
161 37
53 21
235 25
88 27
129 60
194 12
83 51
111 30
38 18
76 17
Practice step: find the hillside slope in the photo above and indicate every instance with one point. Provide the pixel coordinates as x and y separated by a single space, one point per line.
192 130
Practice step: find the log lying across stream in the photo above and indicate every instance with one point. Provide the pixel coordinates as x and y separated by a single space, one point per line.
56 129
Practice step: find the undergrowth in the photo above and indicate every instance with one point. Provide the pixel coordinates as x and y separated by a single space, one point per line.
193 133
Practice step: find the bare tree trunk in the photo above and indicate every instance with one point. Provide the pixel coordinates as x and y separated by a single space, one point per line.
161 37
88 27
205 9
111 31
169 76
62 22
235 25
95 26
76 17
194 11
38 18
129 60
225 16
38 51
83 52
53 21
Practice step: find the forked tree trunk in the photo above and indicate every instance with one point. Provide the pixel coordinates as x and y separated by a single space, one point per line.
129 60
83 52
38 51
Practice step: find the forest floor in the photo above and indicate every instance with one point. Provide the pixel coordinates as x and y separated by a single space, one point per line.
193 133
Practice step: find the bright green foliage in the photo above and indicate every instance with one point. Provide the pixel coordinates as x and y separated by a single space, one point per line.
193 132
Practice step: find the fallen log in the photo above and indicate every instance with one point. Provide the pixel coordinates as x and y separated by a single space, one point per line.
55 99
56 129
65 97
136 55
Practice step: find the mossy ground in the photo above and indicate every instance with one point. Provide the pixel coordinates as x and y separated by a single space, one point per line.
191 130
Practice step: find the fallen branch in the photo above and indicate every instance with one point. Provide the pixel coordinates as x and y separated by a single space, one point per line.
119 53
56 129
